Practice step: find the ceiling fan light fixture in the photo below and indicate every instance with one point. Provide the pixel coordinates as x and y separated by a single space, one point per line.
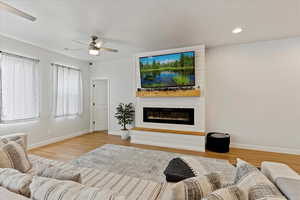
237 30
94 52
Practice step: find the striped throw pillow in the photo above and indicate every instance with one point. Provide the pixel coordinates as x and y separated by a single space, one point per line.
229 193
196 188
52 189
13 155
15 181
264 192
248 176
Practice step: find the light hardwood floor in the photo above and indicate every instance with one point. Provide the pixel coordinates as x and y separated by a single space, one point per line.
72 148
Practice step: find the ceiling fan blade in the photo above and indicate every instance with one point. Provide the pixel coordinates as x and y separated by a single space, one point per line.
69 49
110 49
16 11
79 42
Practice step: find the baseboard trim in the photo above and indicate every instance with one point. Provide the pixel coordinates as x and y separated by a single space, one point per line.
58 139
266 148
173 146
114 132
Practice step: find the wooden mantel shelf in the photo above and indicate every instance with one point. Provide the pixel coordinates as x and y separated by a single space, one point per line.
169 131
170 93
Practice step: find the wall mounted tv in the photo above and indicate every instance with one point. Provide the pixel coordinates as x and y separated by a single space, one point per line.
168 70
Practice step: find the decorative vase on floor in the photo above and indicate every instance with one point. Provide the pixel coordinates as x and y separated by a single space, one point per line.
124 134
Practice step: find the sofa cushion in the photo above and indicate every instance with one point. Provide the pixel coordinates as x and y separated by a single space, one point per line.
264 191
248 176
290 187
228 193
13 155
15 181
37 167
60 174
45 188
7 195
131 187
196 187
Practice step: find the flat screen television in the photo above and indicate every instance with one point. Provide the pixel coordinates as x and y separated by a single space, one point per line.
168 70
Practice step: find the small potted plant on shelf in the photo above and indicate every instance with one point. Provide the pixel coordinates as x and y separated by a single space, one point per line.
125 116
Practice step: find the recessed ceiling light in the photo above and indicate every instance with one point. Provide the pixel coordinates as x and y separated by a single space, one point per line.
237 30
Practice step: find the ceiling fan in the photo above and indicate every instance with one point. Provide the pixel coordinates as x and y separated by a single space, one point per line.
95 46
16 11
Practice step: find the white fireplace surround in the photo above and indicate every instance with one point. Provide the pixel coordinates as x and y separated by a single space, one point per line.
189 142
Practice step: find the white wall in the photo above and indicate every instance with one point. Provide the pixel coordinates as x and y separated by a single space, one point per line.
122 89
253 93
47 128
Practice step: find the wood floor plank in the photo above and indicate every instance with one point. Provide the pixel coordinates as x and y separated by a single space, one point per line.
75 147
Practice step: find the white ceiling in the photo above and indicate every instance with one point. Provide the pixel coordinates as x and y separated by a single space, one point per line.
143 25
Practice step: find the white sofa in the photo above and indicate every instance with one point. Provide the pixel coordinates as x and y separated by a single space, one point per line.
286 179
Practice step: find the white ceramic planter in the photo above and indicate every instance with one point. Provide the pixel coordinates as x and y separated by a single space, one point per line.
124 134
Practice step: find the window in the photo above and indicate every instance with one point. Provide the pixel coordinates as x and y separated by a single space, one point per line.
67 90
19 88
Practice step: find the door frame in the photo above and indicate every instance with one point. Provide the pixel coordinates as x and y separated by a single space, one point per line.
91 102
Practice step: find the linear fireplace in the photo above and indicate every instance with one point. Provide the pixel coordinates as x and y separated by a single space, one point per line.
169 115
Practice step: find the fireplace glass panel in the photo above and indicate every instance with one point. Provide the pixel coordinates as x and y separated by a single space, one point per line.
169 115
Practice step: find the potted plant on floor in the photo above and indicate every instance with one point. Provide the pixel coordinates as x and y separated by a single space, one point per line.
125 116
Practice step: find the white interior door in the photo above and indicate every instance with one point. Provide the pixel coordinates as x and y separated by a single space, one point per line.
100 105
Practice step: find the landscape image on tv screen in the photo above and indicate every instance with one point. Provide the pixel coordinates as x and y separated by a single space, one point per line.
170 70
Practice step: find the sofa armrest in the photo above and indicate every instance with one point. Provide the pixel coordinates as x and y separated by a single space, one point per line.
18 137
274 170
289 187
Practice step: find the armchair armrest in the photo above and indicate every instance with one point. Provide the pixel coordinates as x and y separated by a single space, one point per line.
21 138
